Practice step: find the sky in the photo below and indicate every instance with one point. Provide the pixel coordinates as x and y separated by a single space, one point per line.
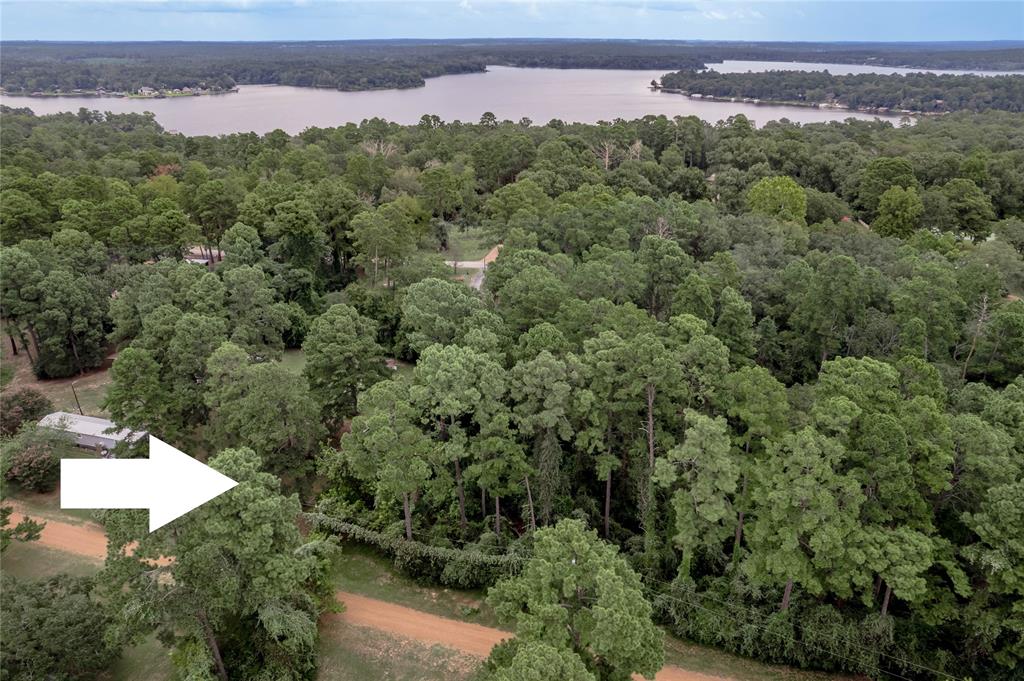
788 20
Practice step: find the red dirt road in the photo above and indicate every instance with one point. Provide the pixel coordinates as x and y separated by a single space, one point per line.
88 540
472 639
399 620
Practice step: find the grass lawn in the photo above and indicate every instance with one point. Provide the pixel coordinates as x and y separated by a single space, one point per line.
148 660
47 506
294 360
364 571
716 662
31 561
350 653
91 388
468 244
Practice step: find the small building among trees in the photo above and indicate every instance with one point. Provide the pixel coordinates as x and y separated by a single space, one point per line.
90 432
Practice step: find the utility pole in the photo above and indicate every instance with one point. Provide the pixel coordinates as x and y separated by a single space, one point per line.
75 393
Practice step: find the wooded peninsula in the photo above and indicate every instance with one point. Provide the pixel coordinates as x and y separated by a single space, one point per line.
928 93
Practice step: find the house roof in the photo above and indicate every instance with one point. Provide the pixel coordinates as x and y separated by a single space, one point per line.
89 425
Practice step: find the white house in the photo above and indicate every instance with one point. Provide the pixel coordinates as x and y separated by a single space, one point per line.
89 431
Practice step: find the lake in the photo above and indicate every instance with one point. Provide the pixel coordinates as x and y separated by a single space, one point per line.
572 95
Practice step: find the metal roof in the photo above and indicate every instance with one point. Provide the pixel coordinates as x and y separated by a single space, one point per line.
89 425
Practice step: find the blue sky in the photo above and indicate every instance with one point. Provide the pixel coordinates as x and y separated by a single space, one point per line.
871 20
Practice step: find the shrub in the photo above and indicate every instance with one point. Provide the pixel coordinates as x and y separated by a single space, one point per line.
30 458
35 468
20 406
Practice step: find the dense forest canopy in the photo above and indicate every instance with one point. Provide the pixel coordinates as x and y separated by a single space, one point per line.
777 371
913 92
372 64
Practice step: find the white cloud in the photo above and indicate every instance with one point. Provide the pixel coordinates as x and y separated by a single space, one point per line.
738 14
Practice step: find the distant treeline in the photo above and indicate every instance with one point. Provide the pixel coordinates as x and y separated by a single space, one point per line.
366 65
926 92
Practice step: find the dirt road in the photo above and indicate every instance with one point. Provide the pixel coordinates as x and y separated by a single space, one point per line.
472 639
88 540
477 280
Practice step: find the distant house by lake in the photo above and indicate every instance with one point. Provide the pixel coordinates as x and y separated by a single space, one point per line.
90 432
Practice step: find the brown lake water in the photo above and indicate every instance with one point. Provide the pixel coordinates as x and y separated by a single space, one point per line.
572 95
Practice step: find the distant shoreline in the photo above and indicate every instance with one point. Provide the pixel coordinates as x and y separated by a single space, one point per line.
829 106
98 94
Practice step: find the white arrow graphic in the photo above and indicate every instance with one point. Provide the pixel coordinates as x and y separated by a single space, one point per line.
169 483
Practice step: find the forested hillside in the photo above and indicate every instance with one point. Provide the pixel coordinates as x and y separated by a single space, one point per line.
371 64
778 370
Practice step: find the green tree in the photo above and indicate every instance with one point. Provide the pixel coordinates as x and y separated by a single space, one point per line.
756 404
971 206
54 629
214 207
694 297
69 325
255 320
436 311
245 395
301 241
386 448
734 325
705 472
806 516
255 619
878 176
779 197
458 388
532 296
22 216
499 467
498 157
335 205
542 390
1011 230
444 191
534 661
138 397
932 296
576 594
380 237
19 296
833 301
607 363
665 265
899 212
998 552
27 529
342 359
195 338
